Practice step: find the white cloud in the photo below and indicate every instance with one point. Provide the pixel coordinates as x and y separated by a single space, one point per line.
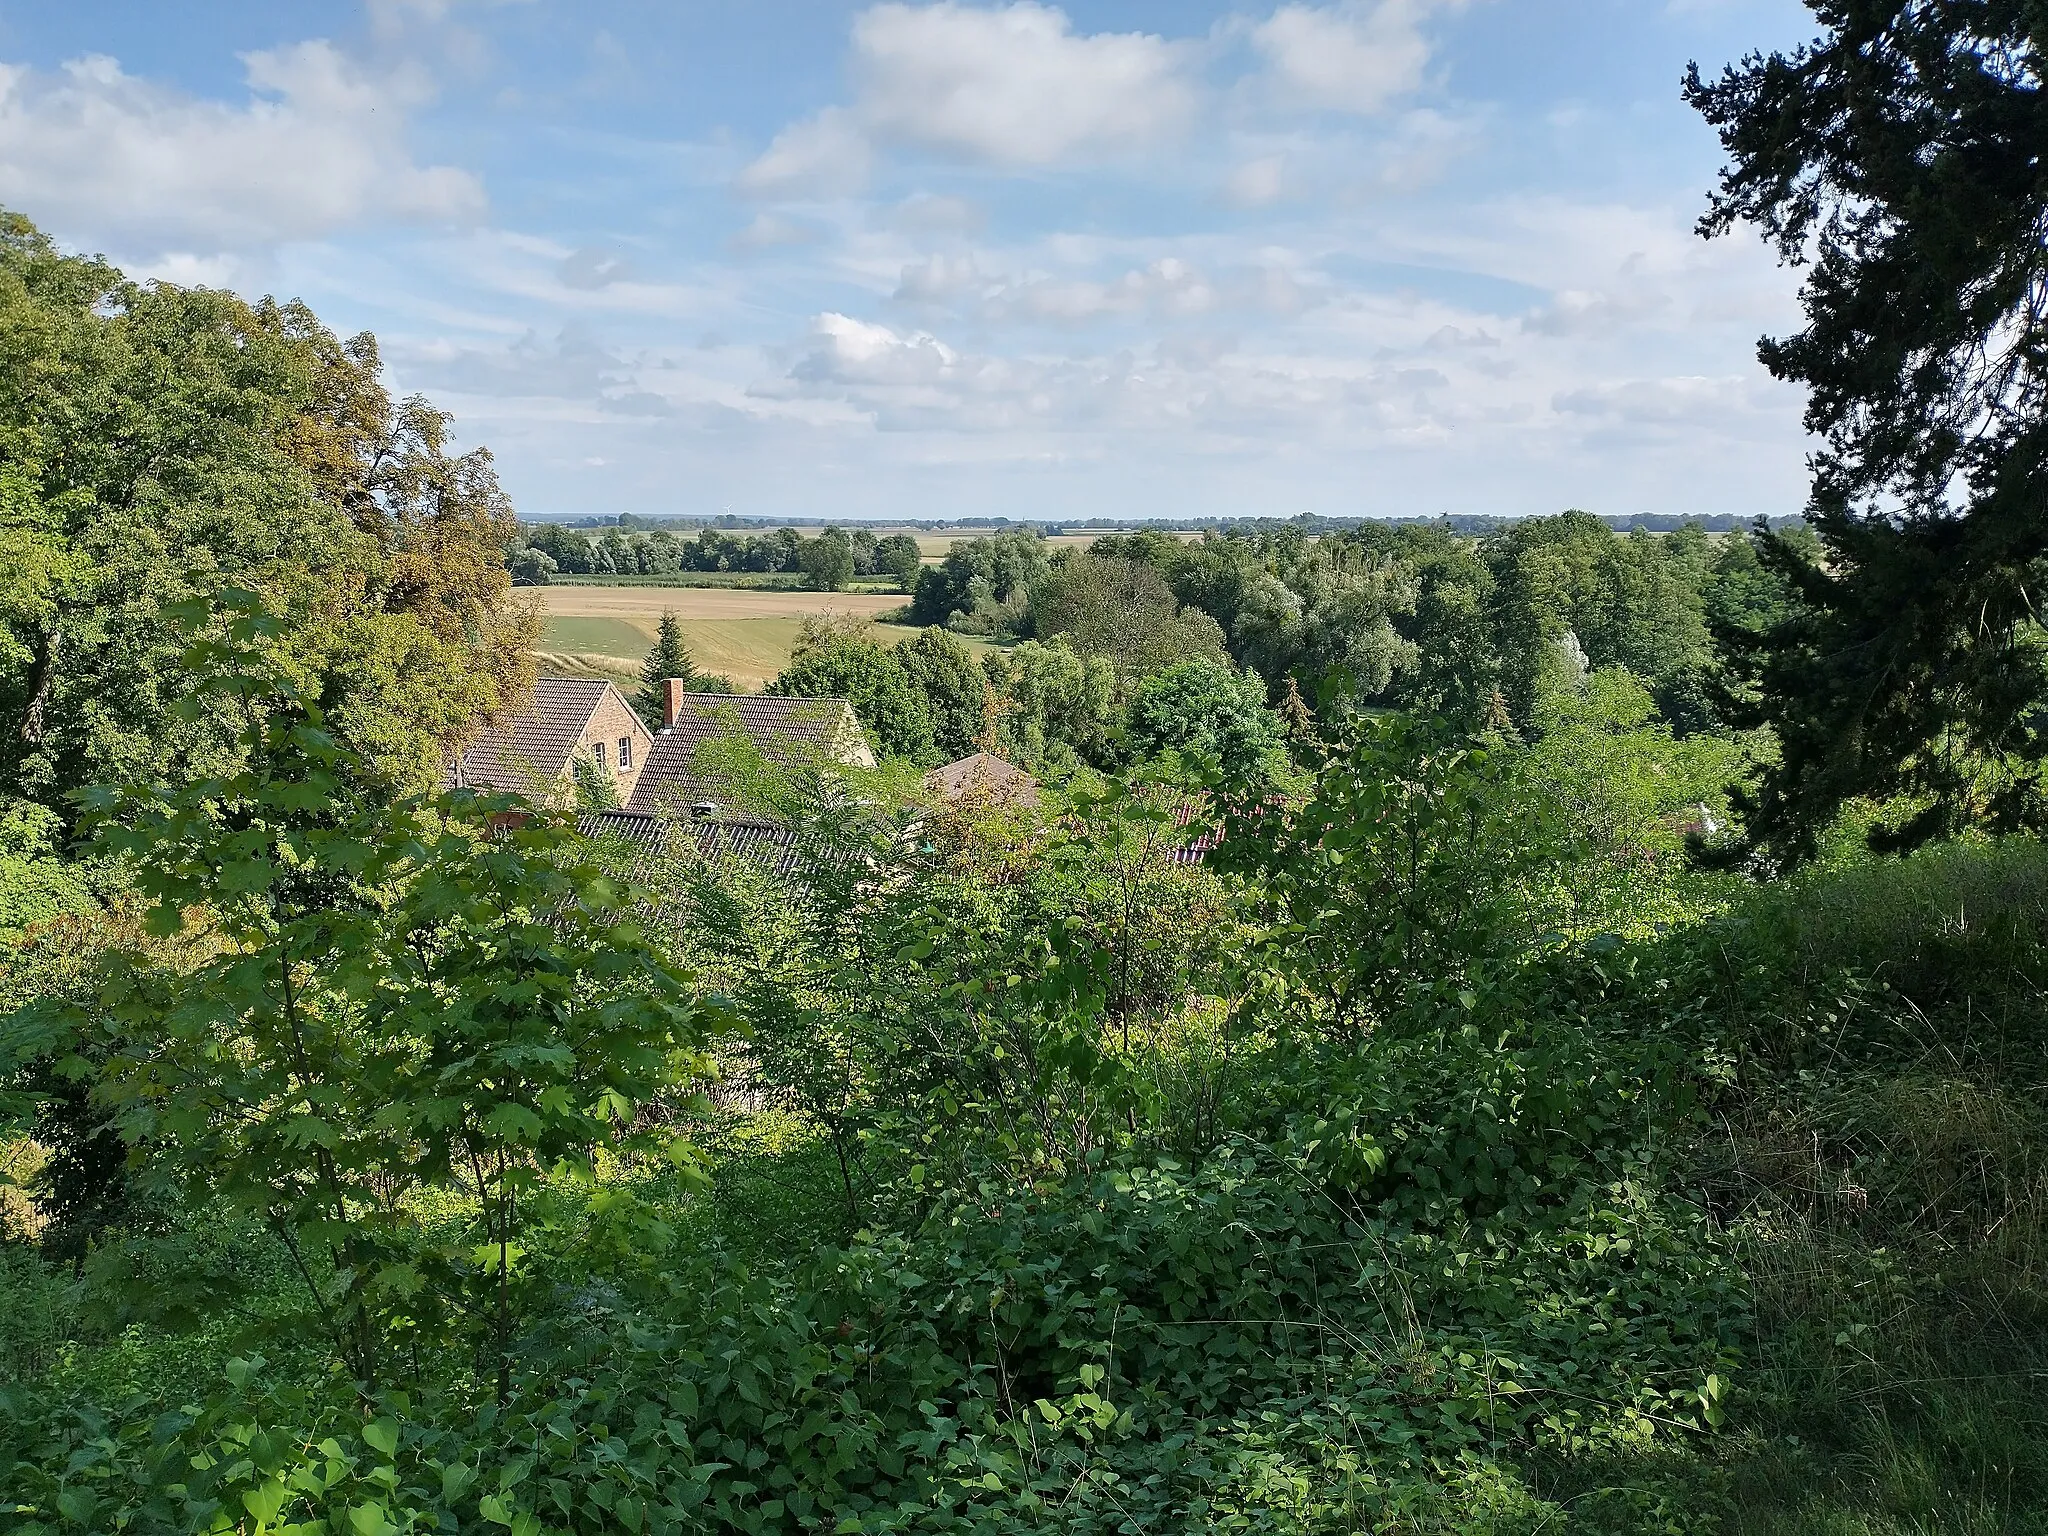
1681 401
1014 87
1257 183
940 279
1356 57
101 155
769 231
591 268
845 351
930 214
821 157
1164 288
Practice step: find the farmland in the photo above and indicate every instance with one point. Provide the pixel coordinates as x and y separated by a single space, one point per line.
746 634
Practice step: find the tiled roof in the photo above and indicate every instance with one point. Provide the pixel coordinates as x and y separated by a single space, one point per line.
982 774
785 731
528 752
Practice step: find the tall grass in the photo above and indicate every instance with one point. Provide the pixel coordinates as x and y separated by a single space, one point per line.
1885 1175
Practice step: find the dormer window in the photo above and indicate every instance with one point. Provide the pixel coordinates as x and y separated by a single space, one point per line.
625 753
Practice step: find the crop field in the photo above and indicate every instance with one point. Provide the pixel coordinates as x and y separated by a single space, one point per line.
933 545
747 635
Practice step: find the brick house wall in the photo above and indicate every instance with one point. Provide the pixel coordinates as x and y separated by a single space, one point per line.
611 722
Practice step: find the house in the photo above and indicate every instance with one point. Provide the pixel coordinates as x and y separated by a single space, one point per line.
982 777
533 753
682 776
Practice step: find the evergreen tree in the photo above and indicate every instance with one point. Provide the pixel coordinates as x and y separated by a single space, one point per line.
1899 154
669 658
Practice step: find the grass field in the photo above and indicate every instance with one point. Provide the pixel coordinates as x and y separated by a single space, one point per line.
747 635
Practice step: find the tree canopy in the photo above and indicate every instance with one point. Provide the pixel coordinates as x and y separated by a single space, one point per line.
1898 159
156 442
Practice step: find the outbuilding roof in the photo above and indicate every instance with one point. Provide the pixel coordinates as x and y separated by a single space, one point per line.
983 775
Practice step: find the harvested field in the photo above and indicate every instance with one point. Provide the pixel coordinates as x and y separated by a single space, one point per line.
747 635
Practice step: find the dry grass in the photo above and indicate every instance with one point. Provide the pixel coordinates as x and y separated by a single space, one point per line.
705 604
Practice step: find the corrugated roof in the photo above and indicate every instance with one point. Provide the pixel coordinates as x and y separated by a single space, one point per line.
784 731
528 753
760 841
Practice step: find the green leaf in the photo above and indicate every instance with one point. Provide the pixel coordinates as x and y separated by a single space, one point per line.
381 1436
265 1500
513 1122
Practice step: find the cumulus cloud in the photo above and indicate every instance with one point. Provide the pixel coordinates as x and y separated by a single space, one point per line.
848 351
1356 57
1013 87
320 144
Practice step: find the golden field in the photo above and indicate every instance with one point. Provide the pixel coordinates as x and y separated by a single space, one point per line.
747 634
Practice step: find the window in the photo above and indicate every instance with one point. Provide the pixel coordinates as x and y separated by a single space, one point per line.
625 753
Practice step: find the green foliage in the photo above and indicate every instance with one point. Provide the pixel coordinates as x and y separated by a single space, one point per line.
925 700
156 438
1625 791
391 1000
1894 157
35 885
982 585
669 658
1396 884
1123 611
1206 709
898 556
1569 581
955 689
1055 708
835 661
596 787
826 561
1332 617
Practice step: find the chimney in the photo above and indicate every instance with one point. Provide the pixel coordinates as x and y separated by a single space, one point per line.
672 700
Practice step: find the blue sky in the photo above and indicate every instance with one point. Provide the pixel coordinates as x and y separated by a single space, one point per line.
805 258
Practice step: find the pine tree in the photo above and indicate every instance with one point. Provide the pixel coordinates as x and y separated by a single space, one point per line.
669 658
1898 159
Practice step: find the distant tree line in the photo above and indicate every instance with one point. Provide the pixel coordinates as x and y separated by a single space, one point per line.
827 562
1311 522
